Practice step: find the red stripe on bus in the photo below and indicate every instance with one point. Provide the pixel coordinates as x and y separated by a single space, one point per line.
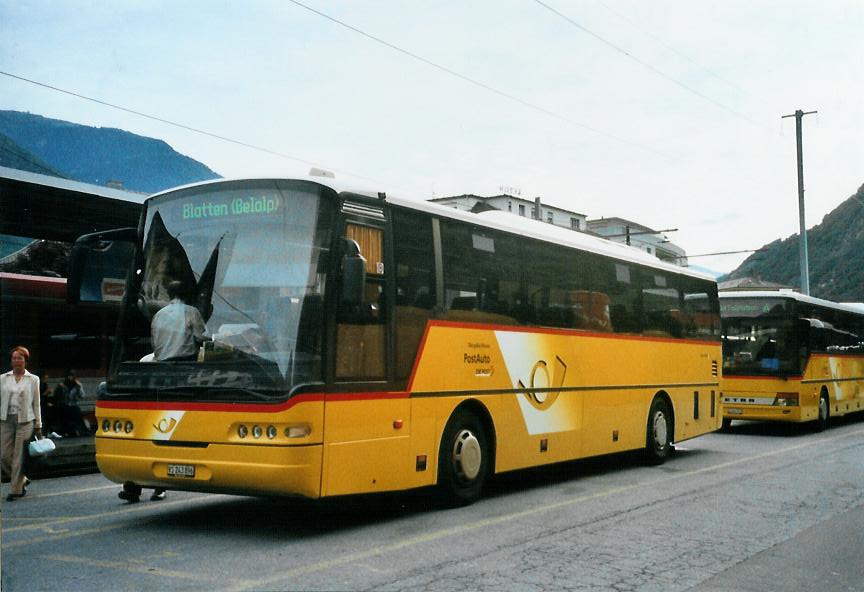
194 406
418 357
569 332
247 407
366 396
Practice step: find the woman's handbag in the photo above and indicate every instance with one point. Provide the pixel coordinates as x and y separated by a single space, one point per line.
40 447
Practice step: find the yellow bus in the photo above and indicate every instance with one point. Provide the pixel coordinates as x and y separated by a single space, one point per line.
789 357
357 342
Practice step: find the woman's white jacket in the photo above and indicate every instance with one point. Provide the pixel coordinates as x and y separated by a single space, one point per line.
29 408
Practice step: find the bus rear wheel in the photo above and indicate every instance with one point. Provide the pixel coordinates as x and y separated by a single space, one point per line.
658 440
463 460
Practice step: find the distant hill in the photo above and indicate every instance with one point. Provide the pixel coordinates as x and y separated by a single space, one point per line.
94 155
14 156
836 256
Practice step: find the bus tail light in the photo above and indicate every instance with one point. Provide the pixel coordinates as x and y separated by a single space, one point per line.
298 431
786 400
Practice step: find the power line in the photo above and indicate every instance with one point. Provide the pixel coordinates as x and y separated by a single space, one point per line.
185 127
648 66
723 253
479 84
677 52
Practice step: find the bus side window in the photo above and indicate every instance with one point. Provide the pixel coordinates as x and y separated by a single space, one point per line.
481 282
624 297
661 305
360 331
415 285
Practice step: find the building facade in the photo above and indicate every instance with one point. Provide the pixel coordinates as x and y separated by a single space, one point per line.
640 236
517 205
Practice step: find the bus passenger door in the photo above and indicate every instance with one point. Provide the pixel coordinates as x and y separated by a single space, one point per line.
366 431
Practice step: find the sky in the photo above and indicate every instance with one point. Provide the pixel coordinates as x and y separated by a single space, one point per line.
664 112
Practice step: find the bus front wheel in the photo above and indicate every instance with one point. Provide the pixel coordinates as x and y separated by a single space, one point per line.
658 440
463 461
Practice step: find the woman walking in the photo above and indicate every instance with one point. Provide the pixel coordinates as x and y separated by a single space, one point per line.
20 416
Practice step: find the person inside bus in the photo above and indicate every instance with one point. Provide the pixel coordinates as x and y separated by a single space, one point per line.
20 418
177 330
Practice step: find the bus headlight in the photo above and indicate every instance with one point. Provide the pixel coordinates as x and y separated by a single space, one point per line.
786 400
271 432
118 425
257 431
242 431
298 431
106 425
128 427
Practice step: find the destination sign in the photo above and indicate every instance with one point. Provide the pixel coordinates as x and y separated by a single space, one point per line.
751 307
213 207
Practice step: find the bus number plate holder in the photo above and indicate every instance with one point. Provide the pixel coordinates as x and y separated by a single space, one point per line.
733 411
181 471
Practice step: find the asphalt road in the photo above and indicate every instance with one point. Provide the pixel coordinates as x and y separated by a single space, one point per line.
761 508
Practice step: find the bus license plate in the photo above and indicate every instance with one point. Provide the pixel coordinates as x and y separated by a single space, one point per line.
733 411
181 470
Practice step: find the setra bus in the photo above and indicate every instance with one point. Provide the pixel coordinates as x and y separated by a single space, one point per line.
790 357
357 342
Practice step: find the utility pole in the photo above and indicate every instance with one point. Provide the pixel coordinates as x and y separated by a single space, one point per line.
802 236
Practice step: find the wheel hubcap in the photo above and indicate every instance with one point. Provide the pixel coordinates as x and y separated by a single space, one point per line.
823 408
467 455
661 432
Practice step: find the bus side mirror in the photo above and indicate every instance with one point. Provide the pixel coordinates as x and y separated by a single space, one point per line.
353 274
98 266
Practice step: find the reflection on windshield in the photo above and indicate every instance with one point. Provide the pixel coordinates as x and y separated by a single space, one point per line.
248 261
758 338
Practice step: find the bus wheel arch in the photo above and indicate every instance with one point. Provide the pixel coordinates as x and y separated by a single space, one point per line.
466 453
660 431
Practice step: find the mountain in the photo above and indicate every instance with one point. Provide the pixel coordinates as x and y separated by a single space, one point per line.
14 156
94 155
835 251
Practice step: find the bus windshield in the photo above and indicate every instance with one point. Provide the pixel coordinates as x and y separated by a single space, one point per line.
243 267
759 337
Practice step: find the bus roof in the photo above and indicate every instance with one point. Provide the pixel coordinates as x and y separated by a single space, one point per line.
494 220
855 307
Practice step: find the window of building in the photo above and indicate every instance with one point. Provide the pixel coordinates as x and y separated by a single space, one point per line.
574 223
521 209
509 206
550 218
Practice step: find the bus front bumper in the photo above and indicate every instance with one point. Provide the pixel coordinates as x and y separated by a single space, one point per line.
216 468
761 412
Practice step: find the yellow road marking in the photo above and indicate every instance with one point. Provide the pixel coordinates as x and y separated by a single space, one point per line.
267 583
73 491
59 536
124 511
136 568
